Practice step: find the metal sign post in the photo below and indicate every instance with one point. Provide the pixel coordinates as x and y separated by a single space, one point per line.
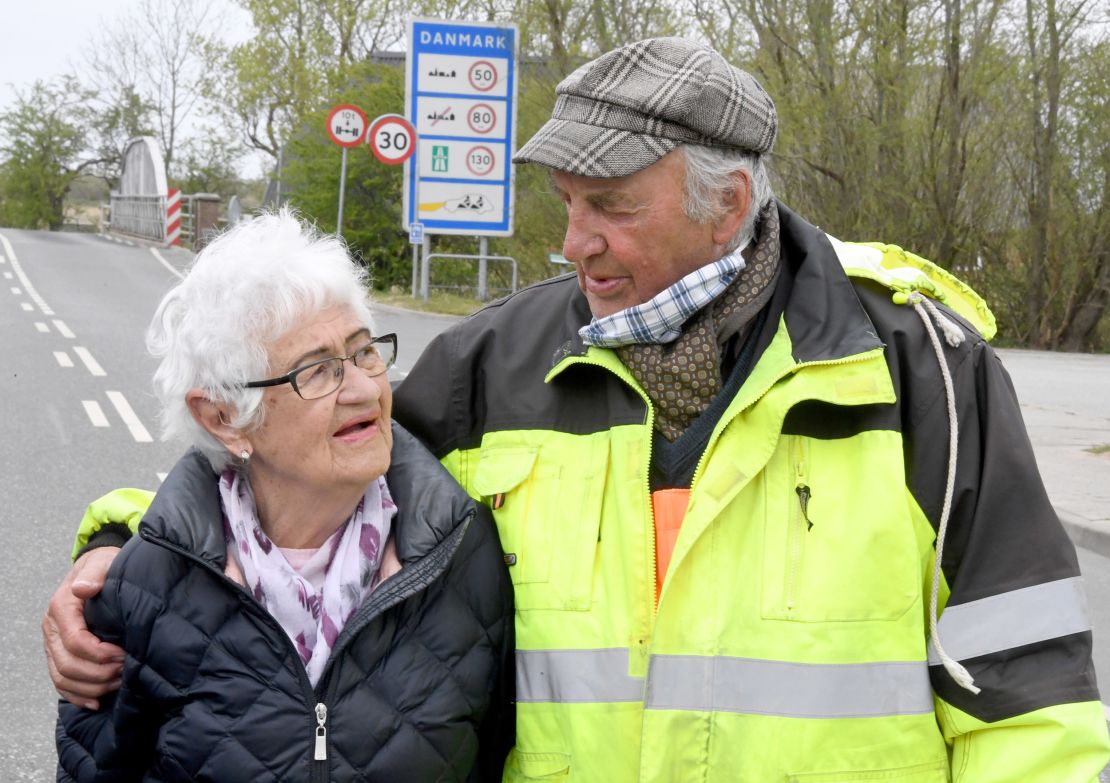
347 128
393 140
342 188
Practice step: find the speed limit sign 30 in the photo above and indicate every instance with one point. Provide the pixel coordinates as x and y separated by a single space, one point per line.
392 139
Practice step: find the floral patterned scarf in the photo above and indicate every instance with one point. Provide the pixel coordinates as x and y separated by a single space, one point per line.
313 619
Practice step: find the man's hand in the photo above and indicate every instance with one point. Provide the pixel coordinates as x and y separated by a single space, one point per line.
82 667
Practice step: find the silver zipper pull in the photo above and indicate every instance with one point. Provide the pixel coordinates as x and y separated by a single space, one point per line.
321 734
804 494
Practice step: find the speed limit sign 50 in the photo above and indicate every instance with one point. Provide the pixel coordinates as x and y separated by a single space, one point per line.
392 139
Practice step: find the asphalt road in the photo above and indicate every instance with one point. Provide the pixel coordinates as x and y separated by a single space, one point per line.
79 419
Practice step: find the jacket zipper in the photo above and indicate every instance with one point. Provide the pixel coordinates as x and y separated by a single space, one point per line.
321 752
365 614
798 527
249 601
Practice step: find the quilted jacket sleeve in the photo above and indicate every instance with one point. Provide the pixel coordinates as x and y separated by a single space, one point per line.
116 742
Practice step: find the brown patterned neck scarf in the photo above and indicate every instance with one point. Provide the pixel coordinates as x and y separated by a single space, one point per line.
682 377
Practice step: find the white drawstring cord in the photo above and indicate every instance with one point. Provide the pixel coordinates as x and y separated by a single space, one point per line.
954 337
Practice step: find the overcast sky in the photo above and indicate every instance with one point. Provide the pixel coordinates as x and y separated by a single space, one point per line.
40 40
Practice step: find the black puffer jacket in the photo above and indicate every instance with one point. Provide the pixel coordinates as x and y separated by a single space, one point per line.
418 687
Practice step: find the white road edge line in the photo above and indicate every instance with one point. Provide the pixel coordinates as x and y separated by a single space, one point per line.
96 415
138 431
63 358
166 263
1106 711
63 329
30 289
87 358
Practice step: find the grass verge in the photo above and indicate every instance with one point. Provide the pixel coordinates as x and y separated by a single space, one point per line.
438 302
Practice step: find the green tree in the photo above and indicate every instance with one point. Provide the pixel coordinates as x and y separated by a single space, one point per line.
43 140
372 207
208 164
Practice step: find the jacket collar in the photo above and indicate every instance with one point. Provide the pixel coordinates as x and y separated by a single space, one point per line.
186 512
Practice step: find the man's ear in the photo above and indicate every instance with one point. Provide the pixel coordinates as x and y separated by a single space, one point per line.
737 202
216 418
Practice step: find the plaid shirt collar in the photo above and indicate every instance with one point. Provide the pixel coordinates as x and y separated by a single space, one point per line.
660 319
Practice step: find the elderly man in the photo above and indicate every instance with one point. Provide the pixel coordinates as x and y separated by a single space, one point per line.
739 469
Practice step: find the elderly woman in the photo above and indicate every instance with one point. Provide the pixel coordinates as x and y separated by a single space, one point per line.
310 596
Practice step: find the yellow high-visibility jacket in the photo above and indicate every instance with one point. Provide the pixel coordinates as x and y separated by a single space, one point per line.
791 639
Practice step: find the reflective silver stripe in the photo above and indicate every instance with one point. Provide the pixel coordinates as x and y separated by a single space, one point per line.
792 690
576 676
1024 616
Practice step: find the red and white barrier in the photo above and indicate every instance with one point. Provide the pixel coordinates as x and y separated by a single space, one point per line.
173 217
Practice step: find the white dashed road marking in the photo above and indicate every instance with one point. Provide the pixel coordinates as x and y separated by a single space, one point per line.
7 275
86 357
138 431
30 289
63 358
28 306
16 291
96 415
63 329
42 327
166 263
162 476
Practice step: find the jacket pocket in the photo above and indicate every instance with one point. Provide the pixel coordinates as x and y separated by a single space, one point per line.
838 545
523 766
934 772
548 515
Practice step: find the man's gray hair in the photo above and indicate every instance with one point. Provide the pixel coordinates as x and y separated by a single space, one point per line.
250 287
711 177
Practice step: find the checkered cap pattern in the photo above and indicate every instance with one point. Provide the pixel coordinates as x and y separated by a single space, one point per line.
660 319
628 108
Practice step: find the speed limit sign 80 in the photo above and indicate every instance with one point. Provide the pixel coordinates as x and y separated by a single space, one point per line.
392 139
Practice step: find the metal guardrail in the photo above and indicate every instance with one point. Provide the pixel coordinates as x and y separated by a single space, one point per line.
141 216
426 285
145 217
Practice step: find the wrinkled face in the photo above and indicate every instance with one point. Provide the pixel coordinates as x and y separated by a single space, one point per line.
629 237
339 441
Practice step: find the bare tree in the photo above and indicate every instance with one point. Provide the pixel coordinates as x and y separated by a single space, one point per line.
160 52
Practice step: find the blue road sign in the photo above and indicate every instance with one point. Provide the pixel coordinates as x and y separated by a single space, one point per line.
460 88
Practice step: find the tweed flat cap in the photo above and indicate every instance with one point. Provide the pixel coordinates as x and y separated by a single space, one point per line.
628 108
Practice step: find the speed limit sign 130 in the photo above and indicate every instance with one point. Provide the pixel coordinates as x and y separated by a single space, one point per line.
392 139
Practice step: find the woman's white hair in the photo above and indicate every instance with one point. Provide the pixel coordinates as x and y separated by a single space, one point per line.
248 288
711 178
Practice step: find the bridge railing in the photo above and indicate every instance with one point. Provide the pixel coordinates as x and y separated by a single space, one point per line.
140 216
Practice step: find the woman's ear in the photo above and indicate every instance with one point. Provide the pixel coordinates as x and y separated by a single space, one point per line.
216 418
737 203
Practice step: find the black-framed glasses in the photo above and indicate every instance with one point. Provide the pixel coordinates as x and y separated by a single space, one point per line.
319 379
